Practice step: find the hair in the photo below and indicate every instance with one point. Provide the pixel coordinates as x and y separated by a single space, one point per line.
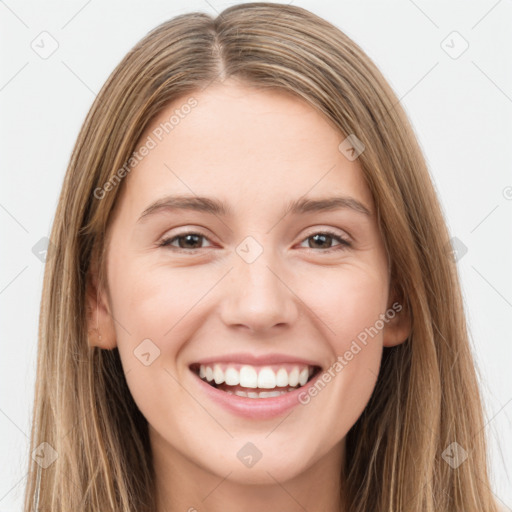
426 396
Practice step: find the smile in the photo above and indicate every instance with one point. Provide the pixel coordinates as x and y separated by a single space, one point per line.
257 382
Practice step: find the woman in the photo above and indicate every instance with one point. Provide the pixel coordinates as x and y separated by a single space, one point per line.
314 353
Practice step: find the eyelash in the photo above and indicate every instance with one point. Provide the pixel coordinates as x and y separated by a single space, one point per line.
343 243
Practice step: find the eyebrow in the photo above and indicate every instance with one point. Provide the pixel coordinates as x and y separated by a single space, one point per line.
215 207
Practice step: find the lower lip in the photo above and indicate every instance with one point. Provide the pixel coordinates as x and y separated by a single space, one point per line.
256 408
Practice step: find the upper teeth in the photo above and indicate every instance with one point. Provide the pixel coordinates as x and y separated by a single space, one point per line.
255 377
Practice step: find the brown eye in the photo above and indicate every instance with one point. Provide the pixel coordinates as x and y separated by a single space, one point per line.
185 241
324 240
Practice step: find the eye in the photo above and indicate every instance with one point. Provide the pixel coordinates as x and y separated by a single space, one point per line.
187 242
326 237
191 241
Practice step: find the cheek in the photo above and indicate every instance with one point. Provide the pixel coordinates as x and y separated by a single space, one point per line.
157 309
154 312
348 301
154 302
350 308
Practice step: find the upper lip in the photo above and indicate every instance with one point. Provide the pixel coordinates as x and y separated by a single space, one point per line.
256 360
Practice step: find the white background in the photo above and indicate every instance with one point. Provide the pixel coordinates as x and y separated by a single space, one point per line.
461 110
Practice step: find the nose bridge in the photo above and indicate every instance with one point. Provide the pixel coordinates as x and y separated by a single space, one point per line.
258 296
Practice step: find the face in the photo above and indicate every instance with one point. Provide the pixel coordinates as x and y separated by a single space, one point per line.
244 283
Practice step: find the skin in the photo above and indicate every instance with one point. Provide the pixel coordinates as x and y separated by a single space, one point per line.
255 151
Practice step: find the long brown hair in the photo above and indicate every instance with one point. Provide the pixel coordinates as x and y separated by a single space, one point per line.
426 397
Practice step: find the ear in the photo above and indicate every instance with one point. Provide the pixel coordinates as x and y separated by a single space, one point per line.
100 322
397 328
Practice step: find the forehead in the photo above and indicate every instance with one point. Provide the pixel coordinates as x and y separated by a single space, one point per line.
243 145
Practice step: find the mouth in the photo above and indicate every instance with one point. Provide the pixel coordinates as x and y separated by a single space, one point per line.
257 382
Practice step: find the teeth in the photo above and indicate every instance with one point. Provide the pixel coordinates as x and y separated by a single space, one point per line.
261 394
269 394
218 374
303 376
267 378
248 377
281 378
232 377
255 377
293 377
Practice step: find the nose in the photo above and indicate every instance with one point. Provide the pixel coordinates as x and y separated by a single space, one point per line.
259 296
